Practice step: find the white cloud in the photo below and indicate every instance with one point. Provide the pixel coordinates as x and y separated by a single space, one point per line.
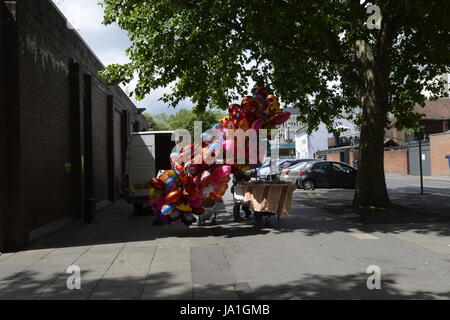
109 44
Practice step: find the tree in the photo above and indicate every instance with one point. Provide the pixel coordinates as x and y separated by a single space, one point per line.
162 122
184 119
321 56
151 121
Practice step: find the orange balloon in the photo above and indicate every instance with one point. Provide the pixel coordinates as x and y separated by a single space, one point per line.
174 196
244 124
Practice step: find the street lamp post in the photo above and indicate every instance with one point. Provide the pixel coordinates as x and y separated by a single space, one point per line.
420 136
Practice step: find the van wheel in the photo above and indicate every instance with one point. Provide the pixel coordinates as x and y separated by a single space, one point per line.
138 207
309 185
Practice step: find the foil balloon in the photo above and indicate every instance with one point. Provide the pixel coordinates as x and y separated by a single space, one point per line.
196 176
157 184
281 118
174 196
167 209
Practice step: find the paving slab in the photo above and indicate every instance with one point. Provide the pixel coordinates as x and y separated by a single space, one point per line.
118 293
170 266
312 254
214 292
172 292
210 265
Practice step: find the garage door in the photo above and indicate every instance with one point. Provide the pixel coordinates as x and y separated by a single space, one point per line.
414 160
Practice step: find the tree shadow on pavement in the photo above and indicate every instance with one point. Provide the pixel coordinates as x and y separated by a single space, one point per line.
331 211
165 286
312 213
343 287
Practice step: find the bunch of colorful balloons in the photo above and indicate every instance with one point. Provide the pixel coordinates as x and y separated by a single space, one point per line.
194 182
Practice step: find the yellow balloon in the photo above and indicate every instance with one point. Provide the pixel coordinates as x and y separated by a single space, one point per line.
274 107
171 173
164 177
184 207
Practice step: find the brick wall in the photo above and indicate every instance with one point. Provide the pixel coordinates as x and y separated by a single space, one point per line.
41 191
354 155
100 141
4 20
13 230
45 116
336 156
439 148
396 161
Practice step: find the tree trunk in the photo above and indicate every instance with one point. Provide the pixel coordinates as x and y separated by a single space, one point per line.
371 188
371 184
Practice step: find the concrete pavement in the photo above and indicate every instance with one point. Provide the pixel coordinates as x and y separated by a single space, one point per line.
433 185
315 253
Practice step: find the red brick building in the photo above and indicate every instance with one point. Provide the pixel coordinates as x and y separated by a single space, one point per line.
401 150
440 149
63 131
404 156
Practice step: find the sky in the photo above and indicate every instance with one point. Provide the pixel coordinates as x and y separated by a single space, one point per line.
109 44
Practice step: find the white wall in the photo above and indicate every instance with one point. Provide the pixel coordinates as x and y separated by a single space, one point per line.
318 140
307 145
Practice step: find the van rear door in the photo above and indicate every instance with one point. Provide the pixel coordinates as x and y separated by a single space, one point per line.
141 164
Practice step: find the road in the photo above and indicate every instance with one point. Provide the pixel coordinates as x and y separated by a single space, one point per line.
315 253
411 184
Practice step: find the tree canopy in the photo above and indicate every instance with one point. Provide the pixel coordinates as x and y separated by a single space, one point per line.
183 119
319 56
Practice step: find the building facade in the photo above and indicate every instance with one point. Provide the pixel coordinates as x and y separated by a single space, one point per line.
309 145
285 138
64 131
402 153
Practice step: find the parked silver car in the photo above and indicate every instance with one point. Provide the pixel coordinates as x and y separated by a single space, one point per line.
292 173
263 173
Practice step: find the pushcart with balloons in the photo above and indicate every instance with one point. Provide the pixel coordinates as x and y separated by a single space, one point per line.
180 194
266 198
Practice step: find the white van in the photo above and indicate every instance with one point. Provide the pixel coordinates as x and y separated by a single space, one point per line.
147 154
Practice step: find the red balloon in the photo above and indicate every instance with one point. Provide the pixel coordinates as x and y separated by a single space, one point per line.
189 190
179 167
233 108
157 184
206 178
281 118
174 197
249 104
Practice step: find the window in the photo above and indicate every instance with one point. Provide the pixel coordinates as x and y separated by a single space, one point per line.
322 166
342 168
299 165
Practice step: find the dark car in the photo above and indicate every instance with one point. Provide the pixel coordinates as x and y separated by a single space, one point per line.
326 174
